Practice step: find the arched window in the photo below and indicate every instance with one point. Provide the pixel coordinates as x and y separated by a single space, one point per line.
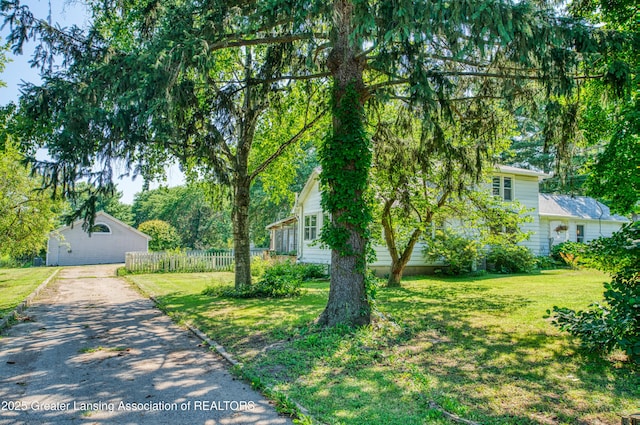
100 228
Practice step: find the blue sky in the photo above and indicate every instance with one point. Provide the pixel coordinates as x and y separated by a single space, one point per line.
66 13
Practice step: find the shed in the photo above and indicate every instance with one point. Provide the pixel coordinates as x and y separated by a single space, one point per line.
107 243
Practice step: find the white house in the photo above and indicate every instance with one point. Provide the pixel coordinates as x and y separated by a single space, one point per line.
108 242
582 216
574 218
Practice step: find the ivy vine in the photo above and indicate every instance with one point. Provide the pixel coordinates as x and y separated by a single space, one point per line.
346 159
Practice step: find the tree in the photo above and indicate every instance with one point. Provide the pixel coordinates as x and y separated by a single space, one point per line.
163 235
425 53
27 214
615 175
201 107
419 184
109 203
614 121
190 210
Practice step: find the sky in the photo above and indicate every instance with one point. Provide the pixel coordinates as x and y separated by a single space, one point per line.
66 13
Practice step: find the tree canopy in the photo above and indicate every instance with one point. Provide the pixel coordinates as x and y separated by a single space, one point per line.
27 214
188 86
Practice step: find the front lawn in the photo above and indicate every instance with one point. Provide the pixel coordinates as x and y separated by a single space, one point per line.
17 284
479 348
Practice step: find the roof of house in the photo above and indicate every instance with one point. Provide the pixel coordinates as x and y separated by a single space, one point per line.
581 207
102 214
507 169
281 223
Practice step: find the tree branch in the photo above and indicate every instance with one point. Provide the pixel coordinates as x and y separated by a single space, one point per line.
260 168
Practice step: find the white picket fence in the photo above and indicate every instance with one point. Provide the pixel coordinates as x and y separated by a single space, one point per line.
189 261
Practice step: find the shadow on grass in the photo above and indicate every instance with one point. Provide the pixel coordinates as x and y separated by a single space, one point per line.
438 350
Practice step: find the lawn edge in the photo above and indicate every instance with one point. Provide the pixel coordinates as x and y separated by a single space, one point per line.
6 321
266 391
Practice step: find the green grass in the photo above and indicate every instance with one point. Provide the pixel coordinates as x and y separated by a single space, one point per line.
478 347
17 284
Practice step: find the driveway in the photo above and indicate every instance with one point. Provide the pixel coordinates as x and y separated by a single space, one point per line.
91 350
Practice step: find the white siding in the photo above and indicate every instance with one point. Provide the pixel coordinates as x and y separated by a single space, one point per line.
593 229
383 258
526 192
77 247
311 252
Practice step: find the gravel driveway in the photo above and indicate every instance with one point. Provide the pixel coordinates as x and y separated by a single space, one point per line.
93 351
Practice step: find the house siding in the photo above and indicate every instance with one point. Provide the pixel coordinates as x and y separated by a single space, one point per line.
540 225
311 250
593 229
526 192
77 247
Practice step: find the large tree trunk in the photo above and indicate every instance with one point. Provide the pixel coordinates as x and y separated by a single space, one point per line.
241 241
242 183
345 174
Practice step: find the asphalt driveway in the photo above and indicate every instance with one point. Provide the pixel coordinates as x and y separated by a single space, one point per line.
94 351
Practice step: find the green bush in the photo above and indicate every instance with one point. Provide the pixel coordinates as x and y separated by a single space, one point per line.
457 252
544 262
259 265
280 280
615 322
569 253
510 258
163 235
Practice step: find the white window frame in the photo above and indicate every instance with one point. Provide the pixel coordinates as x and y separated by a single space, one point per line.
101 233
580 236
310 229
499 187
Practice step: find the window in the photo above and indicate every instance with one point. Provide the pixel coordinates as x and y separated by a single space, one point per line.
580 233
310 227
100 228
502 187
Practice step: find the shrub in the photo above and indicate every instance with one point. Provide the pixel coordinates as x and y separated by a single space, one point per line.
278 281
510 258
544 262
570 253
163 235
615 322
258 265
457 252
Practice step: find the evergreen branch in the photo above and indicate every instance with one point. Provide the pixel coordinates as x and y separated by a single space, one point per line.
234 41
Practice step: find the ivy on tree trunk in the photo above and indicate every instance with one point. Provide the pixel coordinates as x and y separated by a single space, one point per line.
346 159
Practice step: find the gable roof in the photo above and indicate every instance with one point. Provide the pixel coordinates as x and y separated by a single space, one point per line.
300 197
582 207
103 215
508 169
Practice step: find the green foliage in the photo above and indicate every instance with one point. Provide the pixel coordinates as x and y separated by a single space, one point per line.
459 253
280 280
614 323
345 159
510 258
258 265
107 202
544 262
164 235
615 176
193 212
27 214
569 253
